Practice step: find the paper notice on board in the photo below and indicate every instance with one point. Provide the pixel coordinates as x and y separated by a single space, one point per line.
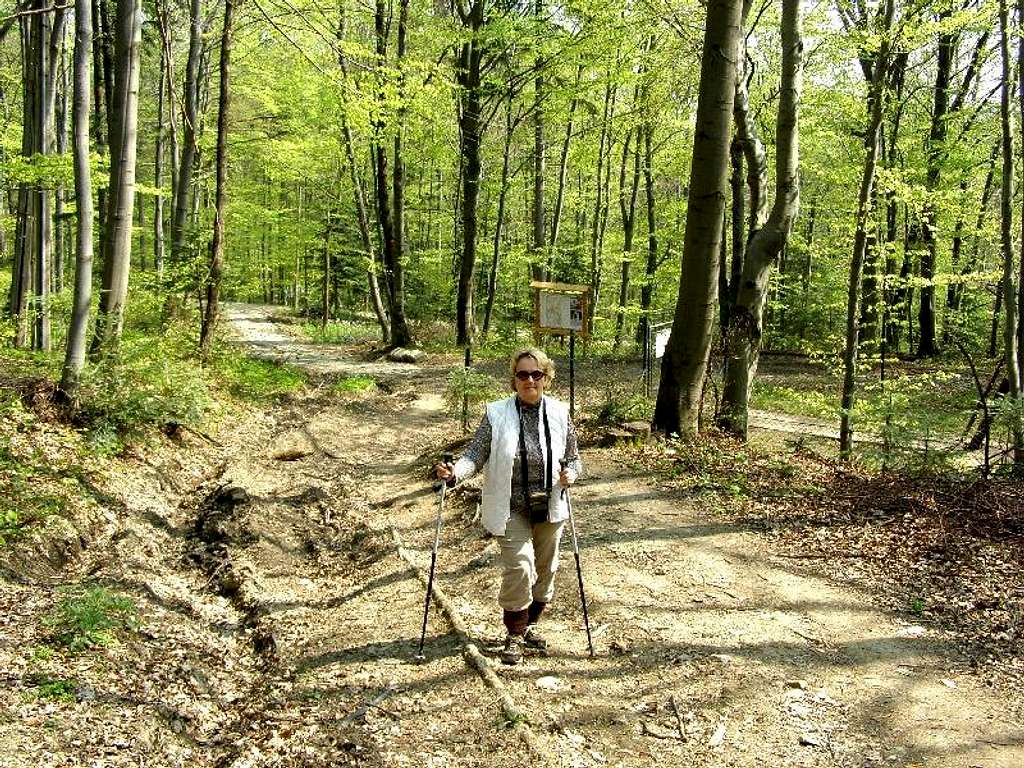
661 342
561 310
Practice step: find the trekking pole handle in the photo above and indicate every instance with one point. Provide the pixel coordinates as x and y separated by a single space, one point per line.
563 463
446 458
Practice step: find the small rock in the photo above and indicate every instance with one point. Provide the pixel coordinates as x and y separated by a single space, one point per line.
797 684
718 736
85 692
403 355
640 429
550 683
809 740
915 630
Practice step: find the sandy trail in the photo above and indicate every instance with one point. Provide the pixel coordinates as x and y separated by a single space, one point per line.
710 650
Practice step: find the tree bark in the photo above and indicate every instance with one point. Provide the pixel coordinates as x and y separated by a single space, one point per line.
871 143
216 270
677 409
121 191
745 332
359 195
74 358
538 264
627 209
468 76
190 135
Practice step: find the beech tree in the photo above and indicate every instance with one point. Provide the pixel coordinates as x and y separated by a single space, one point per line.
767 237
117 241
863 224
74 358
677 409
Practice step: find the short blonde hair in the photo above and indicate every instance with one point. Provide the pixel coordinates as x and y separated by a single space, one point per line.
544 362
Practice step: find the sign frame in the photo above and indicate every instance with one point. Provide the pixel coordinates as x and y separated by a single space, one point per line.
581 292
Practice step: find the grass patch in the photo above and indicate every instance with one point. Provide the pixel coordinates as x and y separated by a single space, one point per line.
53 689
768 396
257 381
341 332
351 385
89 616
25 498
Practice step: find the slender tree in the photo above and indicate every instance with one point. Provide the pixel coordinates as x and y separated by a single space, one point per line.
74 358
871 144
216 270
117 243
744 331
1011 316
190 129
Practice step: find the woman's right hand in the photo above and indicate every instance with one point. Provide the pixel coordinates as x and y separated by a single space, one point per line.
444 471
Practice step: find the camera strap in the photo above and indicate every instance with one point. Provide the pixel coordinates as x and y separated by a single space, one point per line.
523 469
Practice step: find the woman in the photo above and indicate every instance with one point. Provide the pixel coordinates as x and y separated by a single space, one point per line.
521 440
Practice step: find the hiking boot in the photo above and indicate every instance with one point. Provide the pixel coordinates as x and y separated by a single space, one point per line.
534 639
512 653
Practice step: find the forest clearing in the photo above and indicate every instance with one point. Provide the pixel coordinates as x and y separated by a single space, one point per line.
277 625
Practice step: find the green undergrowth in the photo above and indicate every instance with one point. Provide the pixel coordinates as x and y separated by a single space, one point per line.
725 470
350 385
56 689
41 474
254 380
341 332
90 616
156 380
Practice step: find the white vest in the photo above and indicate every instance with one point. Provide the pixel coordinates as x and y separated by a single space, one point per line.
495 506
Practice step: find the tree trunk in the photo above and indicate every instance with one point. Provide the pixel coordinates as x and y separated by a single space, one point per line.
537 259
359 194
871 142
121 191
628 212
158 172
492 277
216 271
600 198
74 358
400 333
563 162
677 409
468 76
60 239
946 54
651 268
45 28
190 137
744 333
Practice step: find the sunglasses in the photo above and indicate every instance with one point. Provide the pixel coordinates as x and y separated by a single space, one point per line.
535 375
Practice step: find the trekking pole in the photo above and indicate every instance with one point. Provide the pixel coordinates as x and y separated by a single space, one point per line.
576 554
447 458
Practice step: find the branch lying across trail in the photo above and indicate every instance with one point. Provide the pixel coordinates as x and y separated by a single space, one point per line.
512 713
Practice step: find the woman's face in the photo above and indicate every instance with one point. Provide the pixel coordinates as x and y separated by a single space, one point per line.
530 380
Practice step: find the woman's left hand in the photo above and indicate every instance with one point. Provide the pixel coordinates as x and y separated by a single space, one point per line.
564 478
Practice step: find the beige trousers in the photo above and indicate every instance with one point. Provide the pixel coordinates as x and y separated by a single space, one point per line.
529 559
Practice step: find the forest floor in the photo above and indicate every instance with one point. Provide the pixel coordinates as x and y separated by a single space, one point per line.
278 623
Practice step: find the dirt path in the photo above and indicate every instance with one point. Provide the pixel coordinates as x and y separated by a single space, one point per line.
710 649
292 644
